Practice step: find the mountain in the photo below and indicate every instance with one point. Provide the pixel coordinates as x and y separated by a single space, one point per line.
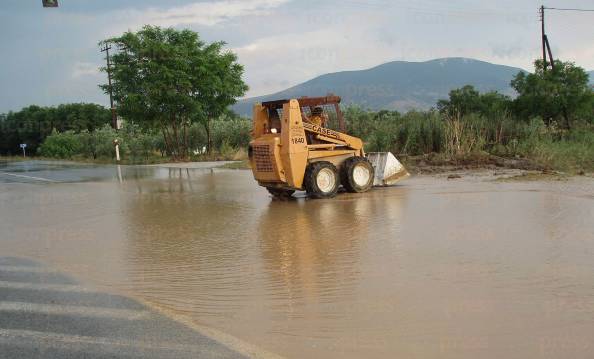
399 85
591 74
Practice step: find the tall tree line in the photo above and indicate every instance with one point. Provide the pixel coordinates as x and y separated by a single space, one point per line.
32 124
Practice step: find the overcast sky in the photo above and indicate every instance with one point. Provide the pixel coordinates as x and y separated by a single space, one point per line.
50 56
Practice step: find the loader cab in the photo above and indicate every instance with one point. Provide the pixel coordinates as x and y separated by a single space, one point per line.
274 121
324 112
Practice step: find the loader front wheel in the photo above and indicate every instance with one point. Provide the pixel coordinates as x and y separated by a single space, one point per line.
356 174
321 180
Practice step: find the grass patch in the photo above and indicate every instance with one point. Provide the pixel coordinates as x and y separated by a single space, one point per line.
574 153
14 158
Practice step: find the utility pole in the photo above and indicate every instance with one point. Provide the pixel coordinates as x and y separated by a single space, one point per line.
546 46
545 42
114 117
543 38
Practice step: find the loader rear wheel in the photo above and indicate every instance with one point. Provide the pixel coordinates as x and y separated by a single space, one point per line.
321 180
356 174
280 193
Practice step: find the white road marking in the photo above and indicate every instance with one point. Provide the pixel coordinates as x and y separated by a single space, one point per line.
29 177
52 287
57 340
247 349
56 309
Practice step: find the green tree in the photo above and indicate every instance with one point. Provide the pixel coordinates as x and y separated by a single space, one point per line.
467 100
559 93
461 101
166 79
220 86
98 143
494 105
32 124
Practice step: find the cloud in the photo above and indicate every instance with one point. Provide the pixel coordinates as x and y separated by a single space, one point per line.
578 54
281 42
83 69
275 61
202 13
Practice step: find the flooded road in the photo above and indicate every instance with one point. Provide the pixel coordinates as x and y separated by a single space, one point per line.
432 268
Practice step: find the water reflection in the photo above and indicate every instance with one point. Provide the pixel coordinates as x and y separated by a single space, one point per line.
431 269
310 247
213 250
316 256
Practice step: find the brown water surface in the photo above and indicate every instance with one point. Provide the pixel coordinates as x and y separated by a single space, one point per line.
433 268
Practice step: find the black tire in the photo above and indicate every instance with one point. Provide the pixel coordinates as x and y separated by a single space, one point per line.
347 174
312 172
280 193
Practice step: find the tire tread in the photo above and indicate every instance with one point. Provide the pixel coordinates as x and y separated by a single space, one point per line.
311 187
346 174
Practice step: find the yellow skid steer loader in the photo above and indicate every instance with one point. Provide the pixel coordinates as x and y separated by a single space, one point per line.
301 144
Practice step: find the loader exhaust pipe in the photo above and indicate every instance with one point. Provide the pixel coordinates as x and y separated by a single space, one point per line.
388 170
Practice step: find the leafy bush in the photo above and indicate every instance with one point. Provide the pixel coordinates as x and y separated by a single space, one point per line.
227 132
138 145
61 145
98 143
231 132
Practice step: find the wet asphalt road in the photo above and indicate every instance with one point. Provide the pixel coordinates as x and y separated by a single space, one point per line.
61 171
45 314
47 172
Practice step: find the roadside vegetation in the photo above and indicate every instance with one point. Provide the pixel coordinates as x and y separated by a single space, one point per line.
173 92
475 139
229 136
549 125
83 132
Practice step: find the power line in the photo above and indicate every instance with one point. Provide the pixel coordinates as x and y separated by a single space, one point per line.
567 9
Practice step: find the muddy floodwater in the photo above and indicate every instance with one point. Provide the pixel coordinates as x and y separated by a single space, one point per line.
431 268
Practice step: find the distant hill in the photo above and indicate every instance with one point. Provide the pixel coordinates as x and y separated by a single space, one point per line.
591 74
399 85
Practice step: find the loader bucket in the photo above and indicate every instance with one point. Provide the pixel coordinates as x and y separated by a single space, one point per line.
388 170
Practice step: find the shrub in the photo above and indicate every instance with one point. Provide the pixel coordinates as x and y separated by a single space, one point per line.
138 145
60 145
420 133
573 151
233 133
465 135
